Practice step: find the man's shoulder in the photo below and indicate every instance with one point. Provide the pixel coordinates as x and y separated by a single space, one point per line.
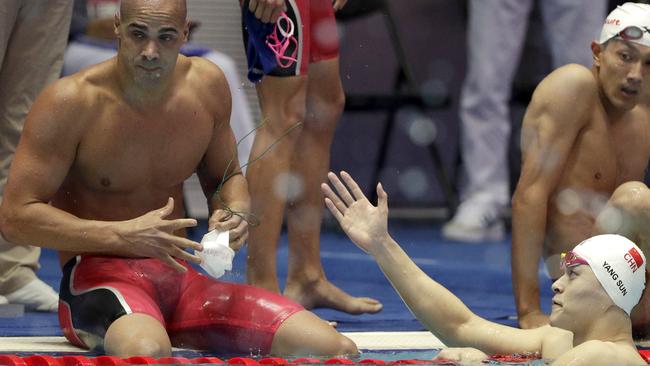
206 79
72 98
83 85
573 86
204 71
573 78
596 352
65 93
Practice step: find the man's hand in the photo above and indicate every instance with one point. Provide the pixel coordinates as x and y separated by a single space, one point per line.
339 4
462 356
152 236
223 220
533 319
268 11
365 224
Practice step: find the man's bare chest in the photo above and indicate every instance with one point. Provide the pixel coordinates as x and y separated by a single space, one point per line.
122 150
606 156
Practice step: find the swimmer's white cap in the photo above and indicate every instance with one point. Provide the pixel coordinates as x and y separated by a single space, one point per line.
619 266
628 14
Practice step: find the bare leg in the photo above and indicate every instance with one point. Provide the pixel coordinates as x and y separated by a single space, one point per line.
137 335
282 100
306 282
305 334
628 213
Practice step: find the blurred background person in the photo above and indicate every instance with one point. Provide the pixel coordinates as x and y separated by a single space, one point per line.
301 99
33 35
495 39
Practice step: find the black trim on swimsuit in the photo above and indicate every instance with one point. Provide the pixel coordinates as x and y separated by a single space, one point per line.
92 311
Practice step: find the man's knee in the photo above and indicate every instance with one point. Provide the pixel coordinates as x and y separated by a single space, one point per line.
329 100
631 196
324 111
146 347
337 101
137 335
626 211
346 346
285 123
305 334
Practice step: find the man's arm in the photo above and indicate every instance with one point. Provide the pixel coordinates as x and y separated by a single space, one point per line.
437 308
560 107
220 174
47 150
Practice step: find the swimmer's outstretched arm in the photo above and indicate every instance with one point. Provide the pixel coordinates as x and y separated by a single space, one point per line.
436 307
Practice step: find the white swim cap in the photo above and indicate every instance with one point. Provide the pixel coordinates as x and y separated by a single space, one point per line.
624 16
619 266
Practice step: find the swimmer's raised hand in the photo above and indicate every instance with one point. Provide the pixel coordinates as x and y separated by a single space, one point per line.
365 224
223 220
268 11
152 236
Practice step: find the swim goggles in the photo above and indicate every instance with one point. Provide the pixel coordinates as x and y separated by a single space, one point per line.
279 44
632 33
570 259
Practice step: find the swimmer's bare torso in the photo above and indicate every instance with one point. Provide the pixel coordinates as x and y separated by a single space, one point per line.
131 158
606 152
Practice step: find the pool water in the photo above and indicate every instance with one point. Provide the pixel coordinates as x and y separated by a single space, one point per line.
395 355
428 354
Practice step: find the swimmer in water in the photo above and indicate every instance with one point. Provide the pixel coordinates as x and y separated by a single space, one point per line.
98 175
590 323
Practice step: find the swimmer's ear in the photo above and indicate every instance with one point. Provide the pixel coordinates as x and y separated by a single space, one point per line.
596 50
186 31
116 24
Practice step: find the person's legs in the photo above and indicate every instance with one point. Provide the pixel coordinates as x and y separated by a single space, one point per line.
137 335
234 318
32 41
572 25
119 305
282 101
306 282
495 37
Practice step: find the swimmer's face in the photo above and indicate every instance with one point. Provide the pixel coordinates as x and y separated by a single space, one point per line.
623 72
150 34
579 299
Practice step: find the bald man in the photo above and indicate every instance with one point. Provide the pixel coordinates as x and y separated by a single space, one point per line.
109 148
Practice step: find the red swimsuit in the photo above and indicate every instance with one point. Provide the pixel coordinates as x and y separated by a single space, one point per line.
196 310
